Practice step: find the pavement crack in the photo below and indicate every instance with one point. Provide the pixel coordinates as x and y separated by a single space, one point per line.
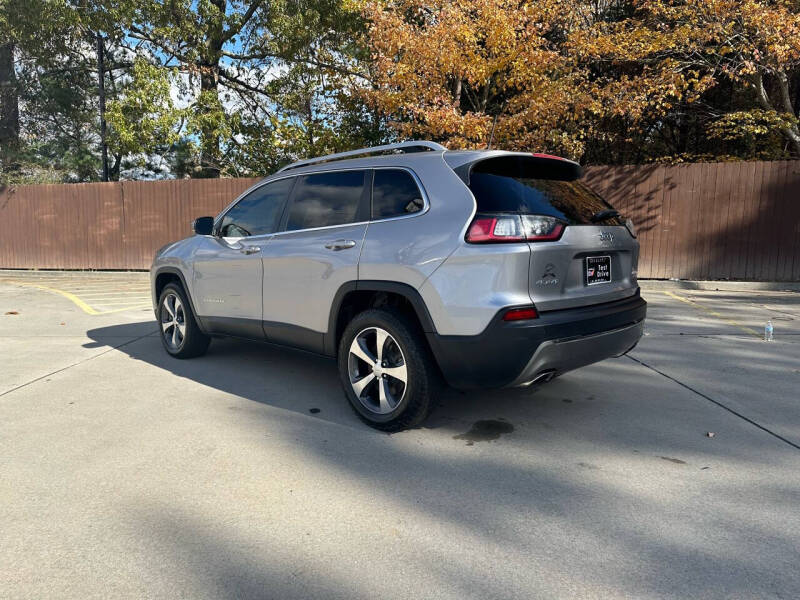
75 364
717 402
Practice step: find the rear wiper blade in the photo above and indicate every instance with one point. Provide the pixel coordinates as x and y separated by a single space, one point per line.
604 215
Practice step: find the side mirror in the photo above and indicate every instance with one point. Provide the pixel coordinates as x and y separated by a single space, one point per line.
203 225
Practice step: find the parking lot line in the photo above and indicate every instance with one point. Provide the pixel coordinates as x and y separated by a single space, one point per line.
101 306
83 284
124 308
120 293
714 313
75 364
109 290
713 401
88 303
106 299
69 296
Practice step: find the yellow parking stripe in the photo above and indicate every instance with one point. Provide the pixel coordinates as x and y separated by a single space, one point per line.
130 303
714 313
72 297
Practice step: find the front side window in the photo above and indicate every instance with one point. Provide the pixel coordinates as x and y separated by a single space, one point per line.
325 199
258 212
395 193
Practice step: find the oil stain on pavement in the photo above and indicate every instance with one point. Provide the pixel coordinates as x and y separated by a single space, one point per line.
485 431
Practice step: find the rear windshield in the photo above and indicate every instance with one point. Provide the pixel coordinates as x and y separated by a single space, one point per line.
571 201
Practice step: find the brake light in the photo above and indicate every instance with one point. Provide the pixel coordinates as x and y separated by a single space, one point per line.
543 155
495 229
487 229
521 314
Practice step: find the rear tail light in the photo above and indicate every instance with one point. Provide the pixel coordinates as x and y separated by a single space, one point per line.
521 314
540 228
514 228
505 228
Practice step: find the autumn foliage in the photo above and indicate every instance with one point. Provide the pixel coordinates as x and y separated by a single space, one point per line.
603 81
447 69
207 88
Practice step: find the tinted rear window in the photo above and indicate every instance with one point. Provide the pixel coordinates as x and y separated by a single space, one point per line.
326 199
571 201
394 193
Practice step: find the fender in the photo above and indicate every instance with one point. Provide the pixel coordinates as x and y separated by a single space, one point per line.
179 273
370 285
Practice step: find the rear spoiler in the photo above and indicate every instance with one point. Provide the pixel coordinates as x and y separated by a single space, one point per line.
530 166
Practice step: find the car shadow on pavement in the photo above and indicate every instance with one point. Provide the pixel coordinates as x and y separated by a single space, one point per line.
579 461
279 376
635 414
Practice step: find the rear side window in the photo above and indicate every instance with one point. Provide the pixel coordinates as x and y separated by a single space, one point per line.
326 199
258 212
571 201
395 193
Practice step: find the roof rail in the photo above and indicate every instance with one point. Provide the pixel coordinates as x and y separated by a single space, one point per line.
400 146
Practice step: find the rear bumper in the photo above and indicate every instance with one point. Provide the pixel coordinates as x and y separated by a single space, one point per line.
559 356
517 353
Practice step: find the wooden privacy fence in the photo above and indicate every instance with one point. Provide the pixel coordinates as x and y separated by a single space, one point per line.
710 220
104 225
698 221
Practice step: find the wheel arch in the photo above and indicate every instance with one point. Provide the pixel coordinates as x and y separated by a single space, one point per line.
165 275
359 294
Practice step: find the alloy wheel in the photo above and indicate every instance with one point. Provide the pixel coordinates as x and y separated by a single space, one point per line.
377 370
173 321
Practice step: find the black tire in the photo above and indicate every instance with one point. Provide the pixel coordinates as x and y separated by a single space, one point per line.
192 342
414 397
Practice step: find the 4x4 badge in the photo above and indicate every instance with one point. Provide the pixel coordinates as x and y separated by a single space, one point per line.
548 277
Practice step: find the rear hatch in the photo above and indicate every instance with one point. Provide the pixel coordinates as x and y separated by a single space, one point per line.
582 251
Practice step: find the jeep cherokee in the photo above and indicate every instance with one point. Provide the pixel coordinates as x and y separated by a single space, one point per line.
409 263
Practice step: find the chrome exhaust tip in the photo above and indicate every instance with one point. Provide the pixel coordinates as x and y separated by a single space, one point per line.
542 377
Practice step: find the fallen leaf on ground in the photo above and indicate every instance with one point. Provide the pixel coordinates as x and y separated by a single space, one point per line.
12 312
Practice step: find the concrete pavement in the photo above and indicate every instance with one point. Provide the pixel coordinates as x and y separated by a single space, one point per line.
244 474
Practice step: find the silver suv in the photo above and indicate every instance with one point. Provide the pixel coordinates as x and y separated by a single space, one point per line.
409 264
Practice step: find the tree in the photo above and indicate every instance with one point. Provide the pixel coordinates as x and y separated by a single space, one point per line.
9 98
240 87
599 80
143 117
194 36
322 45
56 67
273 77
465 71
671 53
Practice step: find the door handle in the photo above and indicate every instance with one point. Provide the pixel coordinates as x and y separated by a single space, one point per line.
250 250
340 245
